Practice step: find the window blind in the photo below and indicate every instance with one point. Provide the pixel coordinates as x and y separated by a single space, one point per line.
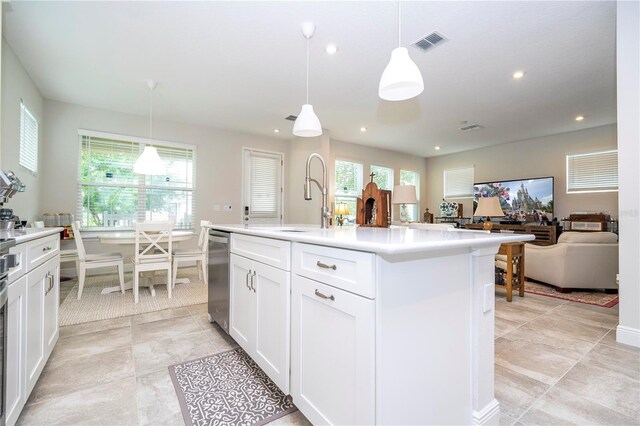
265 185
111 195
458 183
592 172
28 139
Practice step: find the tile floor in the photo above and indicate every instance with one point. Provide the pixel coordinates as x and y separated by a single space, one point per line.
557 362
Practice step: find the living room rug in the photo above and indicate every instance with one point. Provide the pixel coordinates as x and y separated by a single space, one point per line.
227 388
594 297
94 306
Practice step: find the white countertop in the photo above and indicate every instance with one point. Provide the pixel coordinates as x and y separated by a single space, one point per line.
378 240
27 234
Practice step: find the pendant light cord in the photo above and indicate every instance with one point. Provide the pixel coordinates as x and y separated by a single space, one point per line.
399 26
308 70
150 114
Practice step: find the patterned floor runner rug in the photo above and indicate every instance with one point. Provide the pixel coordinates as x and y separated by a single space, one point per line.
227 388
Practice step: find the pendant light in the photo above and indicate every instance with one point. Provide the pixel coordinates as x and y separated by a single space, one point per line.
149 162
307 124
401 79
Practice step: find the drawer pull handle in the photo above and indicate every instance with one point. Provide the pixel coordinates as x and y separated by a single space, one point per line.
46 248
323 296
247 279
324 265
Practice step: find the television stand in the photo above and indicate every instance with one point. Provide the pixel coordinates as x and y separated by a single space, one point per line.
545 235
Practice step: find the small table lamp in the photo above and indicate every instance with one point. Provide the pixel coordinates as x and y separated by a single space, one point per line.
341 209
489 207
403 195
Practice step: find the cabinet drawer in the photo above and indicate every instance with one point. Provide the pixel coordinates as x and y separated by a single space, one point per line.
21 251
346 269
41 250
266 250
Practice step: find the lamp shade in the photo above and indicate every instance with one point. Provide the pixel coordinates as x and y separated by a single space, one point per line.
307 124
149 162
404 194
342 208
489 207
401 78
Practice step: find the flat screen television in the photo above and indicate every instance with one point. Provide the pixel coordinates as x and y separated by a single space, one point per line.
523 200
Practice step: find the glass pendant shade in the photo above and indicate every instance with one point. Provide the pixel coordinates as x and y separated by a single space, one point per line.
149 162
401 78
307 124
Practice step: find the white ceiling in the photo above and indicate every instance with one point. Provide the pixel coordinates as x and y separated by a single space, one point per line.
241 65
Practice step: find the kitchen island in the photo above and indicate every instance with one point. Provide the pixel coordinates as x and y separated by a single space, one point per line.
370 325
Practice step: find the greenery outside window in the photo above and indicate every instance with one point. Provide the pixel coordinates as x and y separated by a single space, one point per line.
348 186
408 177
112 196
383 177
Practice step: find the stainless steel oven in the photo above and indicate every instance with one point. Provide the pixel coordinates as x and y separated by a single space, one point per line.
7 261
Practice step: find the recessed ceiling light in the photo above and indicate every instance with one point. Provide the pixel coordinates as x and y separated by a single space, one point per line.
363 129
276 130
579 118
518 74
438 148
331 49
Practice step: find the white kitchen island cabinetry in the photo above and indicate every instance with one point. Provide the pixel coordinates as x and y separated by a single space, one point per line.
32 314
388 326
259 312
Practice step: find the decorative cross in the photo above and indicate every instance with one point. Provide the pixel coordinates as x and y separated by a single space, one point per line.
372 175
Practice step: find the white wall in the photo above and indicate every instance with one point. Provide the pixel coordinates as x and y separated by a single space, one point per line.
525 159
628 72
218 156
17 85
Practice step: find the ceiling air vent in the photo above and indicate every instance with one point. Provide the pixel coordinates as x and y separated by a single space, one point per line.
471 127
429 41
291 118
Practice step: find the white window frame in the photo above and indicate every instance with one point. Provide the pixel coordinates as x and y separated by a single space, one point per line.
592 173
28 146
141 186
360 182
459 171
393 172
415 207
246 178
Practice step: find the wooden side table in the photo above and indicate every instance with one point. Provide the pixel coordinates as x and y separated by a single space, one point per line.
515 261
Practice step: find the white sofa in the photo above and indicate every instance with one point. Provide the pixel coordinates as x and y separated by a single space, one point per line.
578 260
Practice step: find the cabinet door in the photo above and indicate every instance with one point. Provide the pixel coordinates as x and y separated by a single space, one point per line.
272 294
37 282
16 395
241 311
51 303
332 354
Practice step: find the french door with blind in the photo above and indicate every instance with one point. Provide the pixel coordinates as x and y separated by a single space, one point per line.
262 191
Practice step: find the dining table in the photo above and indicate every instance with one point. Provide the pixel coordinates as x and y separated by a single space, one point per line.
129 239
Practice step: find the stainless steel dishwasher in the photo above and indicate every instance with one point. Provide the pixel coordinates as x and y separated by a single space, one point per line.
218 305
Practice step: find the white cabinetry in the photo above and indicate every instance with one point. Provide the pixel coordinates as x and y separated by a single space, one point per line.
333 335
32 318
259 317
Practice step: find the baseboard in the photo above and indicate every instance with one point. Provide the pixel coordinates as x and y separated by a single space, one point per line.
628 336
489 415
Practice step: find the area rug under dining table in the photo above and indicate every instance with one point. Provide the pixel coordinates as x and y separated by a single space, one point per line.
94 306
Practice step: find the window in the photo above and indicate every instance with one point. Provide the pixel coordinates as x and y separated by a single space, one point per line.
111 195
383 177
263 186
408 177
28 139
348 186
458 183
592 172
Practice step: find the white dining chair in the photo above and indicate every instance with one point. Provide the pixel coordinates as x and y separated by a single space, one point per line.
198 255
91 261
150 253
